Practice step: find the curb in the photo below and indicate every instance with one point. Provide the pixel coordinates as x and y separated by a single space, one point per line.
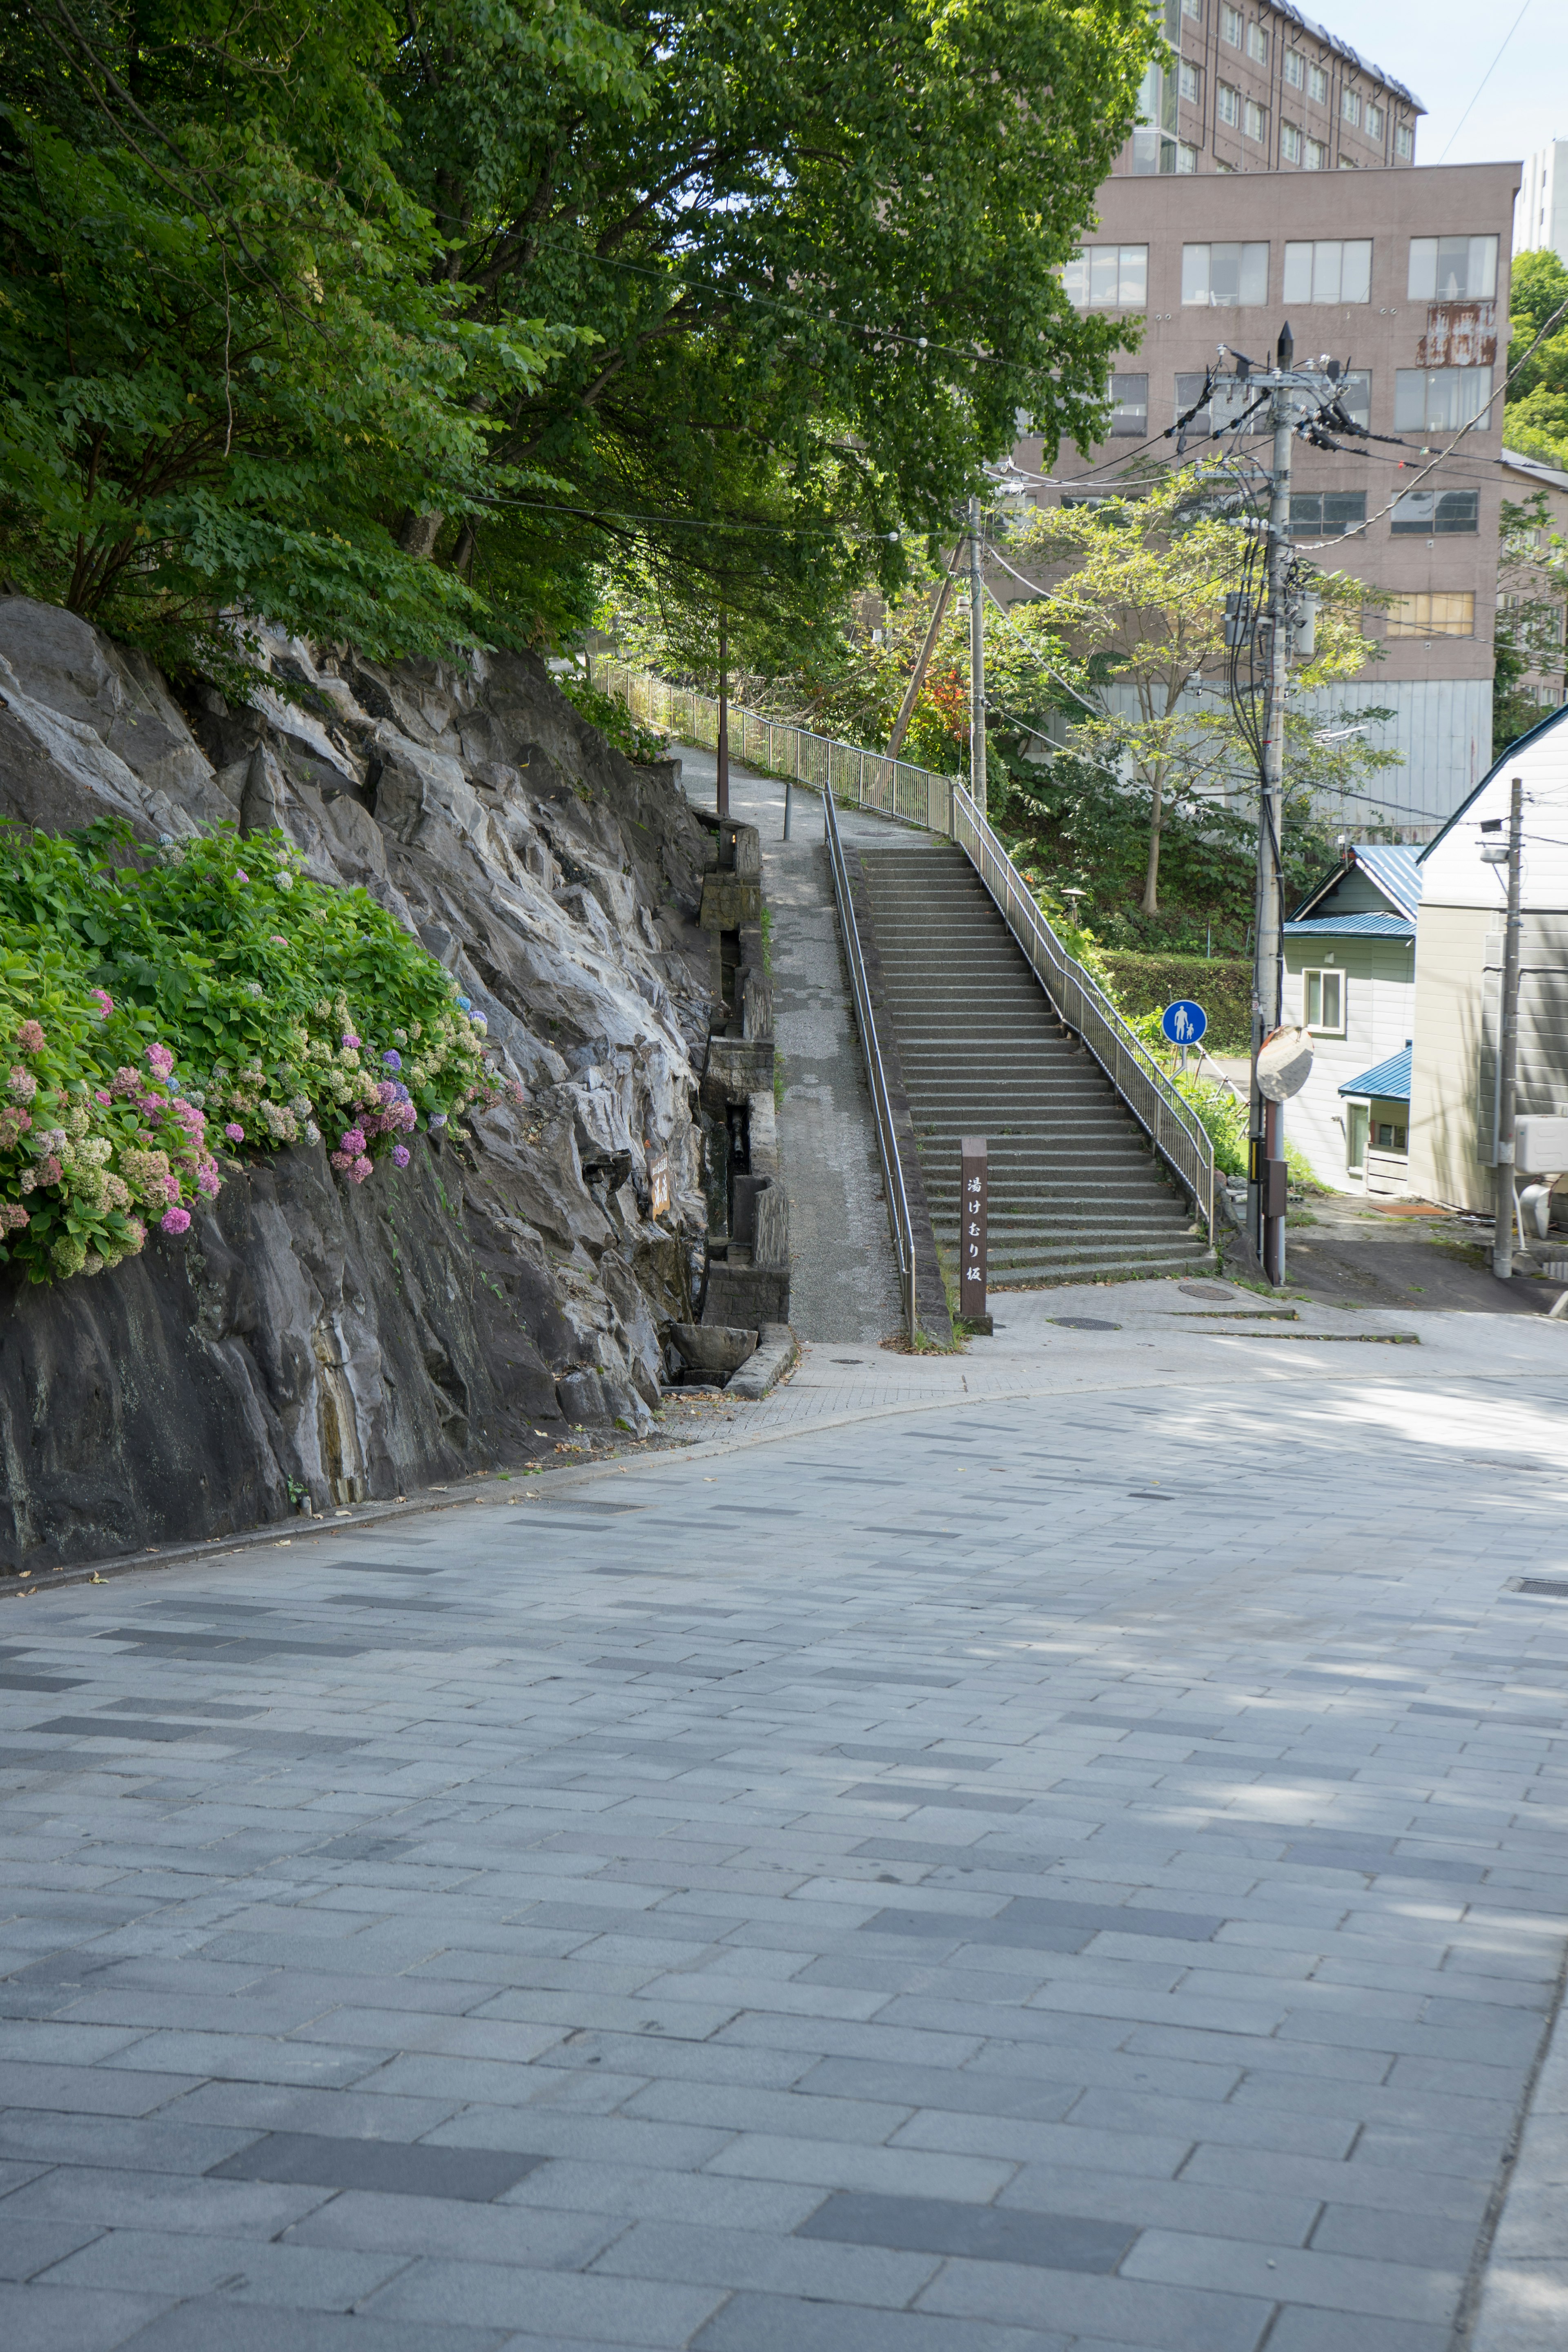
777 1352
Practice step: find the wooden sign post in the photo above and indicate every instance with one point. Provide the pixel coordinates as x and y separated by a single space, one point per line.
972 1233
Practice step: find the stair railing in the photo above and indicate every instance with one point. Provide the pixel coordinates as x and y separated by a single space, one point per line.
899 1219
1170 1123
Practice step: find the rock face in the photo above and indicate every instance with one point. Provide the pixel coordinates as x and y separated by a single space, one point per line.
308 1339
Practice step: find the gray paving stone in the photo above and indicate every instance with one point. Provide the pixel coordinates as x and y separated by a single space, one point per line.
760 2323
217 2323
852 2271
29 2246
419 2169
374 2221
71 2319
1060 2241
1125 2311
163 2261
604 2310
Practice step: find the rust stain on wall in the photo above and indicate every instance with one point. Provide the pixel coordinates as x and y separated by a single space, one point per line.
1459 334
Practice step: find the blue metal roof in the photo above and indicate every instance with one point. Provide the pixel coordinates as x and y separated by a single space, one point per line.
1388 866
1394 870
1390 1079
1356 927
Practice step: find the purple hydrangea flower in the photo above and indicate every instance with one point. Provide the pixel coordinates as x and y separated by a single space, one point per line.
400 1155
392 1059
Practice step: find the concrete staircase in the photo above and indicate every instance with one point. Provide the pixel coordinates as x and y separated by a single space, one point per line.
1076 1194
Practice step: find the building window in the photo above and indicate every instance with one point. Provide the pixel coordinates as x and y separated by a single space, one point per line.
1314 156
1295 68
1403 141
1349 106
1194 10
1257 45
1453 268
1324 513
1323 1002
1186 157
1191 82
1317 84
1439 400
1332 269
1374 120
1436 514
1128 407
1355 396
1390 1135
1230 25
1108 278
1452 614
1229 107
1256 121
1289 146
1225 275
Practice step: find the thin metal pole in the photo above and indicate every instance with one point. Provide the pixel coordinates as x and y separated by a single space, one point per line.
724 746
1267 1123
976 664
1508 1043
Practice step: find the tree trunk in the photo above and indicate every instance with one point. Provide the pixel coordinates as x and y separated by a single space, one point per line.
1151 900
418 533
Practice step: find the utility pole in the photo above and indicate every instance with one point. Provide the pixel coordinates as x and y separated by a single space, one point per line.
723 758
1265 1198
976 664
1508 1041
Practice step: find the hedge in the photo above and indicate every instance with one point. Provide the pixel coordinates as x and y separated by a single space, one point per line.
1221 984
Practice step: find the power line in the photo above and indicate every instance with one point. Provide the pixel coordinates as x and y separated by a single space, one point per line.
1485 79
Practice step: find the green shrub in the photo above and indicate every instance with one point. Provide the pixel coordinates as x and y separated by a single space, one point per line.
1221 984
612 715
150 999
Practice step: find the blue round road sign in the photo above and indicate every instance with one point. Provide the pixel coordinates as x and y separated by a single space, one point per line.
1184 1023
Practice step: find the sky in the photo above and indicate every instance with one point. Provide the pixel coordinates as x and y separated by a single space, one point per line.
1441 49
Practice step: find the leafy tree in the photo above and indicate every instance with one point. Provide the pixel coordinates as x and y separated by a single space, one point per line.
1537 420
227 359
817 270
1131 624
1532 610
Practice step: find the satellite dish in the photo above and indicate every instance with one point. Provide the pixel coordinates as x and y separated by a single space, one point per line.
1284 1065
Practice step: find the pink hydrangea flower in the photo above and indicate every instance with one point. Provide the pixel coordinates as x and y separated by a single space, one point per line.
160 1060
23 1084
240 875
234 1132
361 1169
276 940
350 1042
400 1155
98 1095
342 1161
174 1221
353 1141
30 1037
103 1000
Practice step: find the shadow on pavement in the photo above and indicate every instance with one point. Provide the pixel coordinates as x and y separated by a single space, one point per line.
1356 1255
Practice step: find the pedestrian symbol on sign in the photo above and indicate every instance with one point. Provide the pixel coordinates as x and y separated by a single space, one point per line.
1183 1022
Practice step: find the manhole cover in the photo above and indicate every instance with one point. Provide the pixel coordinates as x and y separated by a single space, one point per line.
1083 1323
1205 1290
1552 1587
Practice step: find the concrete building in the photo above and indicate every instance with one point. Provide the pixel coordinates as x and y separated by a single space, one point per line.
1350 981
1403 276
1260 87
1459 967
1541 219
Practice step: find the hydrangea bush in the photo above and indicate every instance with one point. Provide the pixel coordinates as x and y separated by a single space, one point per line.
161 1009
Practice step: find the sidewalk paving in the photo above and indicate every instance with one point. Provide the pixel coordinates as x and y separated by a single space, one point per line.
1060 1846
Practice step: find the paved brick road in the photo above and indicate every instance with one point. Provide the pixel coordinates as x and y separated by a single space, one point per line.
990 1877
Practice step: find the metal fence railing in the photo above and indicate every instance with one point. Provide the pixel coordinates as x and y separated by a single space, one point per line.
901 1224
859 778
1169 1122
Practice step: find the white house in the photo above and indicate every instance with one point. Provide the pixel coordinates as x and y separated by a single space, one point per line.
1458 971
1350 979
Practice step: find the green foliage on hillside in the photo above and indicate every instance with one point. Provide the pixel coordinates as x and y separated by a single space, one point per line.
157 1011
1537 420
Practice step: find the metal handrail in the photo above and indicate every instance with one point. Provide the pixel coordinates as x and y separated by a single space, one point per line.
1170 1123
899 1221
895 789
